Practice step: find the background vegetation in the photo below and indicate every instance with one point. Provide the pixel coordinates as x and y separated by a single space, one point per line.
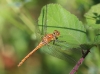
18 24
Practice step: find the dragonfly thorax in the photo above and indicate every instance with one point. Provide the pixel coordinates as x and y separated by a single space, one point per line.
50 37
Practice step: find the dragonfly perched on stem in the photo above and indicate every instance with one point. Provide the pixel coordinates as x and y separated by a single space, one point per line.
59 48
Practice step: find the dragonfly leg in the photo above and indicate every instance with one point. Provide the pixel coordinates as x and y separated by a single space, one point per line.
56 38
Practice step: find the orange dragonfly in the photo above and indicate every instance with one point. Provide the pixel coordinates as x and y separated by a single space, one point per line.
48 38
52 48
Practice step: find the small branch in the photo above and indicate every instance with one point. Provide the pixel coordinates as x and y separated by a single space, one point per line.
79 62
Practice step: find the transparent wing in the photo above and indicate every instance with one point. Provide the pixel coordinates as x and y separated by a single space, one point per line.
59 50
43 27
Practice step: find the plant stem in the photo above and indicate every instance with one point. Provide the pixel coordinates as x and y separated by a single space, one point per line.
79 62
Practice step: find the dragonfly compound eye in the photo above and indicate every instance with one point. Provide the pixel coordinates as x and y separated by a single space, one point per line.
57 33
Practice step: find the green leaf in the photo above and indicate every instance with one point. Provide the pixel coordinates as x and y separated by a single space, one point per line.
97 38
93 20
71 29
93 16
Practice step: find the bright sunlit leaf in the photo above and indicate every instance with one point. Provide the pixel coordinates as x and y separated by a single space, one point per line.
71 29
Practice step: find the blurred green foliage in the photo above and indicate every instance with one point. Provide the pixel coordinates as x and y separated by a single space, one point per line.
19 35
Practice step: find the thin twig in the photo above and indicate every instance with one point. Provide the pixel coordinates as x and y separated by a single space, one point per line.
79 62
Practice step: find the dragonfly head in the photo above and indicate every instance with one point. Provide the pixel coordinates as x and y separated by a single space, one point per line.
56 33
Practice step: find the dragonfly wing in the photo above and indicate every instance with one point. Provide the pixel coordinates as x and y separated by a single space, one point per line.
72 50
58 52
43 26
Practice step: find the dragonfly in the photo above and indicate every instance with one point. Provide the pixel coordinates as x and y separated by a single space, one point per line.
46 39
51 45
